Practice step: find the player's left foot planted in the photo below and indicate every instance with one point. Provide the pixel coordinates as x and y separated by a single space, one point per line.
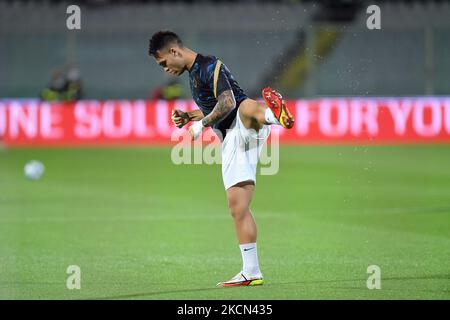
240 280
276 103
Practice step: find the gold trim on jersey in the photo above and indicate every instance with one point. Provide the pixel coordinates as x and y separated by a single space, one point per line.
216 76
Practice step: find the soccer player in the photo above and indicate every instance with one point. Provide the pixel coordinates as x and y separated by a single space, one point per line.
238 121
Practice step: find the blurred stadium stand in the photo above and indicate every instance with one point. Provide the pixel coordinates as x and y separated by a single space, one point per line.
306 48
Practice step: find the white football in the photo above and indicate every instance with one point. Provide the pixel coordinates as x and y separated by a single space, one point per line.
34 169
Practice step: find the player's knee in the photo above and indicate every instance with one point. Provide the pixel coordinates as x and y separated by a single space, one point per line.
238 210
245 110
252 114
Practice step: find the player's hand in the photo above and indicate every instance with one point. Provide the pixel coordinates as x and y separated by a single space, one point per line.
179 118
196 129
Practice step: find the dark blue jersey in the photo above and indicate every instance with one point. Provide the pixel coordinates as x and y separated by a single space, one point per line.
208 78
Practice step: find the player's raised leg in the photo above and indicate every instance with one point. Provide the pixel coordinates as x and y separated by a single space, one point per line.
239 198
255 114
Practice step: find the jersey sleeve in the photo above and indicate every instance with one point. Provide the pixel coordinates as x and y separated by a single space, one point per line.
220 82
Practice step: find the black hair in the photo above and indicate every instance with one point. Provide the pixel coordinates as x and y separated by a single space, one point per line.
161 39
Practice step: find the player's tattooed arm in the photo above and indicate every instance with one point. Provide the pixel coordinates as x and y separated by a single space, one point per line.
225 103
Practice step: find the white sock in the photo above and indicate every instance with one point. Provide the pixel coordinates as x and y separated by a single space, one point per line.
250 259
270 117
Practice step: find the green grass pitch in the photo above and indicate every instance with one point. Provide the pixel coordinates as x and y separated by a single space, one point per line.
140 227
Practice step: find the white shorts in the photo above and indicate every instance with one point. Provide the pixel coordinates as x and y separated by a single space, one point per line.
241 149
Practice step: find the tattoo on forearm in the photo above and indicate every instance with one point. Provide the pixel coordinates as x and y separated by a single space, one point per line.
225 103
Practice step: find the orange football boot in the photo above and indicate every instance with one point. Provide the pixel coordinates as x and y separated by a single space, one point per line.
275 102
